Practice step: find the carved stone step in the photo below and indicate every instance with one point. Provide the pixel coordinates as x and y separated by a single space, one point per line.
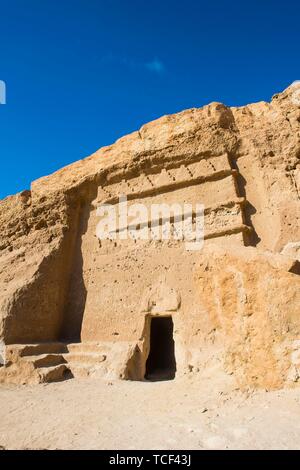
84 357
45 360
53 374
83 370
90 347
15 351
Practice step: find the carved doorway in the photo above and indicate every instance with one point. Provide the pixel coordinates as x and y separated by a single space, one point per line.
161 363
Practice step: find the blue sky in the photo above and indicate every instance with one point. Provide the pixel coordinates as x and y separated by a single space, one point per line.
81 73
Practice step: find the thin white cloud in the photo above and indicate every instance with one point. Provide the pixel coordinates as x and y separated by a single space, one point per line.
155 66
2 92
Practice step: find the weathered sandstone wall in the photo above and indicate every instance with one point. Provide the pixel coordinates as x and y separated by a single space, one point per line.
235 304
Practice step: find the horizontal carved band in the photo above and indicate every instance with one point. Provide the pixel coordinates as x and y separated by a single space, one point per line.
167 180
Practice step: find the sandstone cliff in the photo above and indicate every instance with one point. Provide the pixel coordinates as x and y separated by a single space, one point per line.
239 304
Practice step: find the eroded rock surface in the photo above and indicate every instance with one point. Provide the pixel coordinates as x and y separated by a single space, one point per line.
234 304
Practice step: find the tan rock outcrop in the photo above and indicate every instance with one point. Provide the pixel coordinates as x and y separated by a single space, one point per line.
234 304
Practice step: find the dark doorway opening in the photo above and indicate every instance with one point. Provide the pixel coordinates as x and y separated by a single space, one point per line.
161 364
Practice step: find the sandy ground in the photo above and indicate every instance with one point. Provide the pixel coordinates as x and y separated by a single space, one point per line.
179 414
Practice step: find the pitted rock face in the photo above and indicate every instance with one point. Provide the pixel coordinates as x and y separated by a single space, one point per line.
71 303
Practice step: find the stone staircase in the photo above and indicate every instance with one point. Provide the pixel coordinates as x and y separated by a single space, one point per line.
35 363
86 359
53 362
